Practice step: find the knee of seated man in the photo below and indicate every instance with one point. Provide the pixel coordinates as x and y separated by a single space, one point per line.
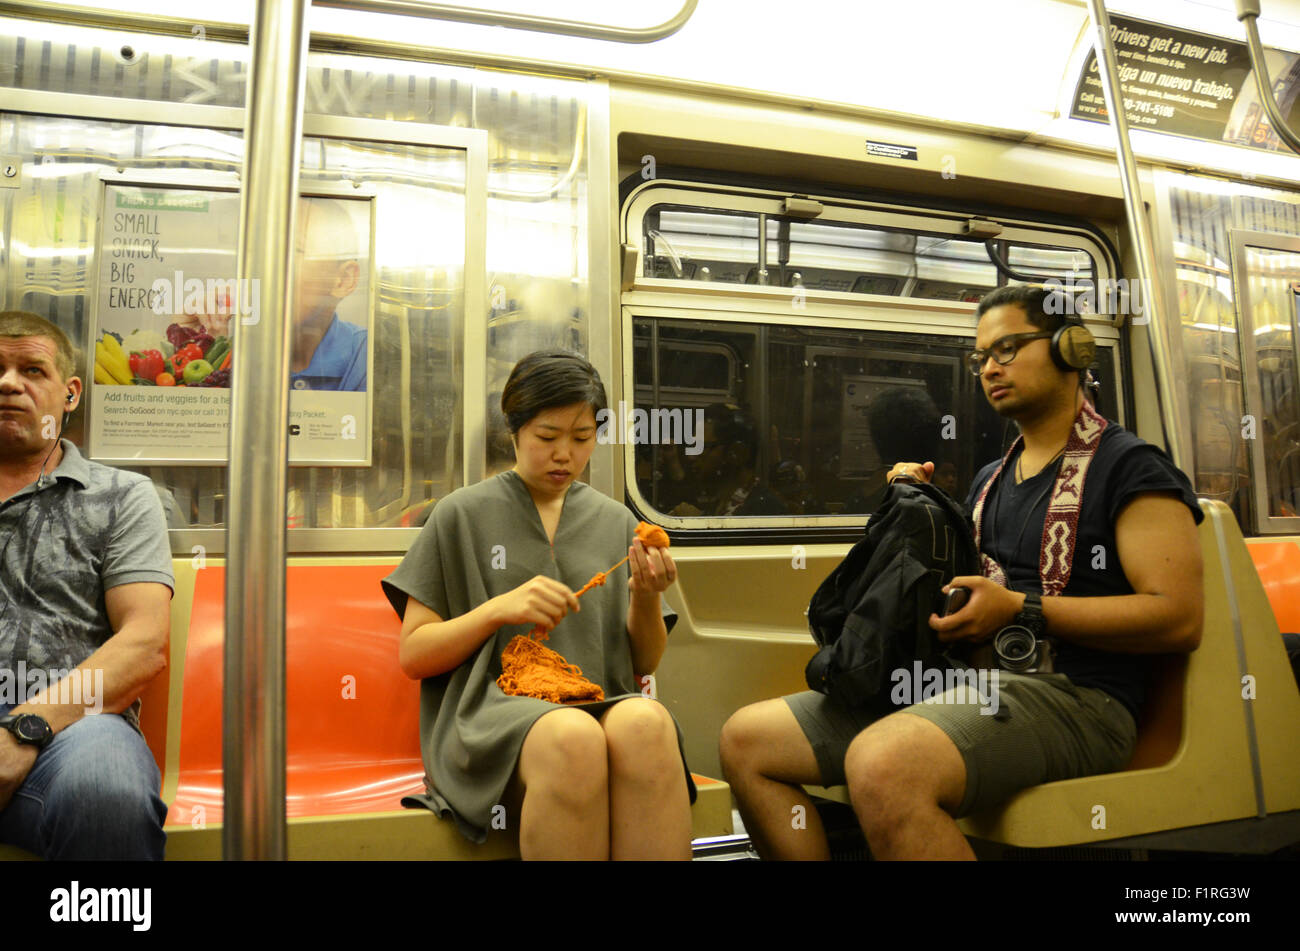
101 800
743 737
107 763
895 759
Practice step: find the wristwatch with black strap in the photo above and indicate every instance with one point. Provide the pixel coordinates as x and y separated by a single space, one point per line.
1031 615
1024 639
28 728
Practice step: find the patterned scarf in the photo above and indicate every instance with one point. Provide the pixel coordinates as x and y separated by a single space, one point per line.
1061 525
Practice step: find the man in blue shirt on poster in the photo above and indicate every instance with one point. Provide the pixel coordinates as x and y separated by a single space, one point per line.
328 353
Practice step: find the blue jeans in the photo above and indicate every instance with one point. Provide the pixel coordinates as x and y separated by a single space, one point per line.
92 794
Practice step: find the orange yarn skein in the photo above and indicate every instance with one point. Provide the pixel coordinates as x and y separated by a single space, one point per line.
530 669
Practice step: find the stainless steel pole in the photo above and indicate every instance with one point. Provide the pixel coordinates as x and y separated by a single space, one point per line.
1140 232
254 688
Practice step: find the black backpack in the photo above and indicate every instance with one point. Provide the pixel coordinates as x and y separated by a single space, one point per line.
871 616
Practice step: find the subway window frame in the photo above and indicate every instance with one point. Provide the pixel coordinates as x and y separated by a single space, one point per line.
663 307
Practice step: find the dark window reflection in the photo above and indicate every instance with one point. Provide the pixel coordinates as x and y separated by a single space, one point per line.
804 421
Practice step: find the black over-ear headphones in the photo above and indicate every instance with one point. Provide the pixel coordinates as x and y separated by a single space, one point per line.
1073 346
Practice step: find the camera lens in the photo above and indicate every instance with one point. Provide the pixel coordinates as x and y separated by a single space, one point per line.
1016 648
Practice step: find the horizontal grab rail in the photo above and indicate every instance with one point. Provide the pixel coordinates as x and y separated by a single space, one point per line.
238 32
519 21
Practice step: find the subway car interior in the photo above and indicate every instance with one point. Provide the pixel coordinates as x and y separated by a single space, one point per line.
768 230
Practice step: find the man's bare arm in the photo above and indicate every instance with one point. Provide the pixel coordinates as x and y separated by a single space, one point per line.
1158 548
140 615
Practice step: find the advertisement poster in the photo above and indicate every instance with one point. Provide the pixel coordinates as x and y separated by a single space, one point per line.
1191 84
167 307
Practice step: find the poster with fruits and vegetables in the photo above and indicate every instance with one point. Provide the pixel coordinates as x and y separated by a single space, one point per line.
168 307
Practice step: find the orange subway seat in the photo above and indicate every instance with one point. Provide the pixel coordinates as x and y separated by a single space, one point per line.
1278 564
352 718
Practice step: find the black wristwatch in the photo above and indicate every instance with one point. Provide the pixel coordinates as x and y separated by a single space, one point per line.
29 728
1031 615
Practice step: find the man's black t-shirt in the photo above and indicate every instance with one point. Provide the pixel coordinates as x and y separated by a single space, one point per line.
1123 467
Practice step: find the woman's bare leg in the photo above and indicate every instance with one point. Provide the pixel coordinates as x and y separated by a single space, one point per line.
563 771
649 806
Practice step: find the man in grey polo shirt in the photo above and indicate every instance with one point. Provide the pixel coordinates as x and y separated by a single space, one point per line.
85 586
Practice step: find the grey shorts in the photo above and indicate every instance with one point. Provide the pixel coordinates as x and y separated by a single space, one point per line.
1044 729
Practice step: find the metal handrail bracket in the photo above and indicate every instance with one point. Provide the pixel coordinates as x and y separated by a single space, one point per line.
1248 14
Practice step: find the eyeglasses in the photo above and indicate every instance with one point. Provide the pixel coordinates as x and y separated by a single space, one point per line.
1004 350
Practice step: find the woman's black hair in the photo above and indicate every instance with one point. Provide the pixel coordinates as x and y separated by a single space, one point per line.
549 378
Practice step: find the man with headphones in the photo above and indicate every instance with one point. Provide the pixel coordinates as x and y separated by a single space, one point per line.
85 588
1089 558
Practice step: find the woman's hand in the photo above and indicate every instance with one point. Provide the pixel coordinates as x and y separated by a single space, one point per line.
652 569
990 608
542 601
651 572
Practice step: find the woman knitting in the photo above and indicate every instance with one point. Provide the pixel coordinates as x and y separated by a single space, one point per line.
585 779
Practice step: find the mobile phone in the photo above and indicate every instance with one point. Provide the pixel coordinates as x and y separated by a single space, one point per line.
952 602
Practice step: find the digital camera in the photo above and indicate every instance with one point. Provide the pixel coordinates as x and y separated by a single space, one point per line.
1016 649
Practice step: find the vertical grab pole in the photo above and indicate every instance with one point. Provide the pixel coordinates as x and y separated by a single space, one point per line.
1140 233
254 690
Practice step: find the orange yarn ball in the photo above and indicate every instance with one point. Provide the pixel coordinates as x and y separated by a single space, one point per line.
652 536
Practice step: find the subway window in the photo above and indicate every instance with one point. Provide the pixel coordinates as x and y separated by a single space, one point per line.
761 414
754 421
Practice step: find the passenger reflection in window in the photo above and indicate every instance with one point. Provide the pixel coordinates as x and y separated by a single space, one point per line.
723 480
791 483
329 353
905 424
